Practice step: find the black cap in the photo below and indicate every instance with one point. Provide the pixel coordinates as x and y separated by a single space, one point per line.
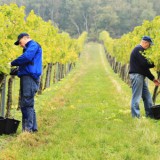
148 39
19 37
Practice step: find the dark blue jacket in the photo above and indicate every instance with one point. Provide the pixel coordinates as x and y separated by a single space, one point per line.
30 62
139 64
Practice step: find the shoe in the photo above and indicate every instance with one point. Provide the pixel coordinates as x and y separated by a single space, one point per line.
35 130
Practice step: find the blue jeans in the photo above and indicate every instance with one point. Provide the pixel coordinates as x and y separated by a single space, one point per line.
28 88
140 90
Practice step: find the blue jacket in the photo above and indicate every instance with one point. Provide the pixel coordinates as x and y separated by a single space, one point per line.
30 62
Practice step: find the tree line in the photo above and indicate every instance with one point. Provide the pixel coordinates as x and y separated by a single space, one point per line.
93 16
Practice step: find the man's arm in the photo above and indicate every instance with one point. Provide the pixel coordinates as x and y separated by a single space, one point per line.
27 56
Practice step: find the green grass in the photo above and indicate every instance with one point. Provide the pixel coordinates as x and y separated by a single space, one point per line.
86 117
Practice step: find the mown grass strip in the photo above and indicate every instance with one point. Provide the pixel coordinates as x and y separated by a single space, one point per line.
87 117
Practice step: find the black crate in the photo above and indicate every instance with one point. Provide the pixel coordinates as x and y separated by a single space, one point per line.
156 111
2 125
11 126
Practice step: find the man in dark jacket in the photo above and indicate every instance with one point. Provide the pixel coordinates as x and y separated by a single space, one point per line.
139 70
30 69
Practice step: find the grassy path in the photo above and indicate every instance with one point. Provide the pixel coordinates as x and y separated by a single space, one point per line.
87 117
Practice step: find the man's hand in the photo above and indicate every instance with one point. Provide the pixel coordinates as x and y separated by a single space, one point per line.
156 82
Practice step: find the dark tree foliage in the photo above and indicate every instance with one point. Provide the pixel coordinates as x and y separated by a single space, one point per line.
75 16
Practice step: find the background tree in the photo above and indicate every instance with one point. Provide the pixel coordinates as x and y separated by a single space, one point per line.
74 16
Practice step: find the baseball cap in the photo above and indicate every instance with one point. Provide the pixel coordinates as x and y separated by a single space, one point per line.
19 37
148 39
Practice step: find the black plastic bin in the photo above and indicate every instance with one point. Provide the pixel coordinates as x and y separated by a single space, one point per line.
11 126
156 111
2 125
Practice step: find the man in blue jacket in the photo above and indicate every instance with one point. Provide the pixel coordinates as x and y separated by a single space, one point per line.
29 72
139 70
